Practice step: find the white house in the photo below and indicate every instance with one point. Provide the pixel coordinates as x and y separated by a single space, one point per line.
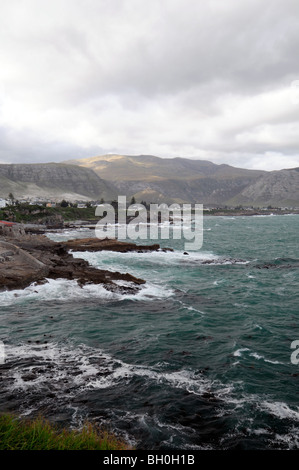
3 203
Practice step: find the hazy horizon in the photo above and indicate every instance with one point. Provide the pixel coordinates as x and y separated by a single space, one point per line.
62 161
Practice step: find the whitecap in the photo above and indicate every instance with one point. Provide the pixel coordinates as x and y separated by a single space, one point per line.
240 351
65 290
55 289
281 410
259 357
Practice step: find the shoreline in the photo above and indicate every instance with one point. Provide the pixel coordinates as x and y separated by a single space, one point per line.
27 255
90 224
28 258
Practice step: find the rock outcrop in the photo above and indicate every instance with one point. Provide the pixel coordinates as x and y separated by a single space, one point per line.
96 244
18 268
27 258
33 258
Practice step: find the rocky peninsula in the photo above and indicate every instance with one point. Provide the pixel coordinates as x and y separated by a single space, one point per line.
28 258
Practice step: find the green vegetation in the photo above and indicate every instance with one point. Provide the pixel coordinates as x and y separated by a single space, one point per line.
39 434
65 211
27 213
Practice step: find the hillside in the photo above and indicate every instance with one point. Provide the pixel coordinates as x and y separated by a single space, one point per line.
169 180
151 179
53 180
150 168
276 188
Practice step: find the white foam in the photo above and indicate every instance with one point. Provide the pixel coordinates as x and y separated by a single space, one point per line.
150 291
64 290
55 289
190 308
90 362
281 410
259 357
67 234
63 362
239 352
259 431
140 262
183 379
291 439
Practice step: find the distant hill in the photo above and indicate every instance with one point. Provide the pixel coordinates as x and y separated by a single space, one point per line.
155 179
276 188
151 179
53 180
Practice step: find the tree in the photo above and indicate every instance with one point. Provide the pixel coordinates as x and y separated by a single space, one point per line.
64 203
133 200
11 197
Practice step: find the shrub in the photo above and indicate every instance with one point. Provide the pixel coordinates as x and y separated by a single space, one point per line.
38 434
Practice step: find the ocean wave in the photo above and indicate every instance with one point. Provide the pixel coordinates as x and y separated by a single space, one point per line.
159 258
54 377
47 366
280 409
260 357
240 352
65 290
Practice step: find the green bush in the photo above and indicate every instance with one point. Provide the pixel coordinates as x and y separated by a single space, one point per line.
38 434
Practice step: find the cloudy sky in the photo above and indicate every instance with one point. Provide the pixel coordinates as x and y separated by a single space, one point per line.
209 79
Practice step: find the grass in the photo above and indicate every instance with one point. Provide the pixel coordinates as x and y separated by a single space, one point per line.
38 434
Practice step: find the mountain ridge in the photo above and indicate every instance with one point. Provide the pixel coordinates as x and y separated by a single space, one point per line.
52 180
151 179
182 180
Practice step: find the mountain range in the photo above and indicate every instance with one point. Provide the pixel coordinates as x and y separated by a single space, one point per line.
53 181
182 180
152 179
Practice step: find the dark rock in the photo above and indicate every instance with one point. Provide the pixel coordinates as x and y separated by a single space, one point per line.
28 377
36 258
97 244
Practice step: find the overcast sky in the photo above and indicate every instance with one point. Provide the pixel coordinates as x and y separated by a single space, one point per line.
208 79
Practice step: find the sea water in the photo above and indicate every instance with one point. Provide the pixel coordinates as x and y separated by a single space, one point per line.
198 358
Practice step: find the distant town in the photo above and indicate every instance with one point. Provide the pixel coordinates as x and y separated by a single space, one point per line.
54 212
38 201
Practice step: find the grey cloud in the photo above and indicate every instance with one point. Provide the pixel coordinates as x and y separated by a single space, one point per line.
250 48
26 147
142 72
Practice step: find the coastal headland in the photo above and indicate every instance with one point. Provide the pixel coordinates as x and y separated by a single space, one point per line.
26 258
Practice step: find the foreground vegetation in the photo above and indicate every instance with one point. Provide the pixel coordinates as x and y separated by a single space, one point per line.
39 434
26 213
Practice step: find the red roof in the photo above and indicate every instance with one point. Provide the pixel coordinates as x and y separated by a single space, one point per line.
6 223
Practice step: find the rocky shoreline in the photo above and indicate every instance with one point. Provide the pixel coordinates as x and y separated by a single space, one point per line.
31 258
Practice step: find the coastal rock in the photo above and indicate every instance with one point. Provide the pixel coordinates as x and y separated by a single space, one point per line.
111 244
35 258
18 268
